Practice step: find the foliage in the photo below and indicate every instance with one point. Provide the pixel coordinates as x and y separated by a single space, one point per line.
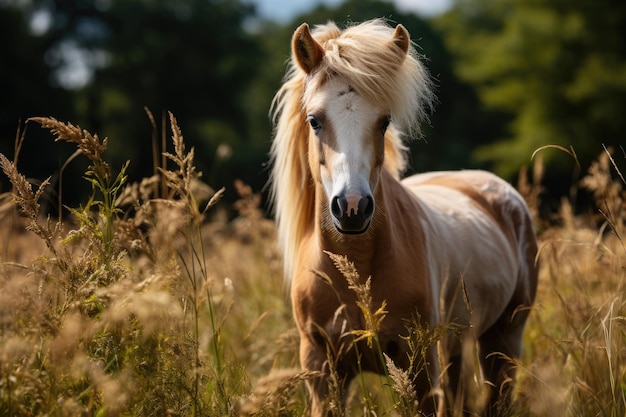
558 67
26 69
190 57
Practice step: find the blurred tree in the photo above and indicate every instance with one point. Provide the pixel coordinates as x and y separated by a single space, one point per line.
99 63
558 67
28 88
191 57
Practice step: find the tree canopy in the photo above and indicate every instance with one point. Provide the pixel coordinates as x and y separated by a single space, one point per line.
191 57
558 67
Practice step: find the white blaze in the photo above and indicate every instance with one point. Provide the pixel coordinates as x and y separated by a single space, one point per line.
351 118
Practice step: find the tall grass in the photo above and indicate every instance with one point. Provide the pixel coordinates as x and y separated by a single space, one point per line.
120 313
575 362
147 301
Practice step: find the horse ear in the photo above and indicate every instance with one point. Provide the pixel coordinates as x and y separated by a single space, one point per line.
401 38
307 52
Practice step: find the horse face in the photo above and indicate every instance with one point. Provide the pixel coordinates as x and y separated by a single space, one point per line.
346 148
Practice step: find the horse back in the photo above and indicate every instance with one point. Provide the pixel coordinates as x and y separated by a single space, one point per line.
480 241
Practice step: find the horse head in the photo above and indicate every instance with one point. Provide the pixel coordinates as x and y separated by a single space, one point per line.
347 126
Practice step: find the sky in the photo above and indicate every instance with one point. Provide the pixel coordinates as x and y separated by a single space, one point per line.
283 10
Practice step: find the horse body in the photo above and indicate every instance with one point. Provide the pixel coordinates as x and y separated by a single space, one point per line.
459 254
471 223
450 247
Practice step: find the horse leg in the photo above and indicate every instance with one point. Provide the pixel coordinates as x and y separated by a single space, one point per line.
328 387
500 347
321 403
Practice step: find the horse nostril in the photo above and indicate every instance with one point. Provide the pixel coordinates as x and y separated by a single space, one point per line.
338 206
366 206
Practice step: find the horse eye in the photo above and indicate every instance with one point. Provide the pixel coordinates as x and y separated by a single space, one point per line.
385 124
315 124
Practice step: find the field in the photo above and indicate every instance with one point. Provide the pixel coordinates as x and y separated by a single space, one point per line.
145 302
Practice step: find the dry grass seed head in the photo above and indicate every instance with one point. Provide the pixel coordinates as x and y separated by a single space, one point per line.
402 382
372 318
88 144
275 393
607 192
27 200
251 226
149 302
531 189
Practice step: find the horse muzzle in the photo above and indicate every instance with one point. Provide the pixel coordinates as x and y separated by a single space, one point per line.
352 213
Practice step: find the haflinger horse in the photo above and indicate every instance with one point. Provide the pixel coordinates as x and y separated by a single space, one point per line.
446 247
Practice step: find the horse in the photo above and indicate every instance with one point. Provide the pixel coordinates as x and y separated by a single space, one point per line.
442 248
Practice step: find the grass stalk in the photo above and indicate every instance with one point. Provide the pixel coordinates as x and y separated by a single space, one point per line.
104 316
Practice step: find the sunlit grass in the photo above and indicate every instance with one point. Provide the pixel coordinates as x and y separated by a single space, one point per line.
146 302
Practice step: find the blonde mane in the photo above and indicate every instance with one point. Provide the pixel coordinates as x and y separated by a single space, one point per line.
363 55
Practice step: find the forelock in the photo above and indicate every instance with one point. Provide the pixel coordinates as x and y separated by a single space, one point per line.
366 57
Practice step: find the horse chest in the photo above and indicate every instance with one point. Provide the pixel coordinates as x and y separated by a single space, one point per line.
328 311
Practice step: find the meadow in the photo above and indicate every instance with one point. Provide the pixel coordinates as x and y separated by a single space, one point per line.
147 301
